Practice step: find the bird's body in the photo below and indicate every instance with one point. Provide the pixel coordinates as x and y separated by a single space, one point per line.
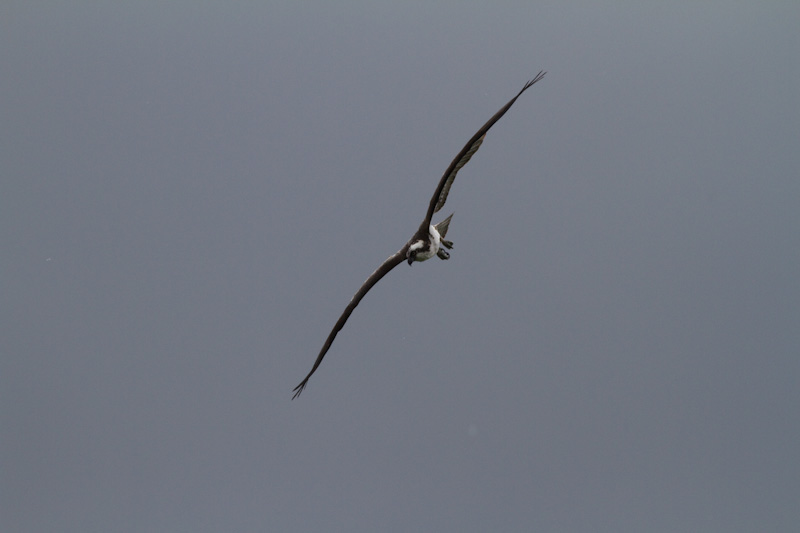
423 249
428 241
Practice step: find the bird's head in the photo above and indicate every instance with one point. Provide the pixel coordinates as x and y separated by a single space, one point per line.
413 250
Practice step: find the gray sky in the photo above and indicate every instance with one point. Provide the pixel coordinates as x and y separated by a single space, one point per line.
191 192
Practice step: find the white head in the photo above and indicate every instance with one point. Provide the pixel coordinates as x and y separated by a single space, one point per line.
416 251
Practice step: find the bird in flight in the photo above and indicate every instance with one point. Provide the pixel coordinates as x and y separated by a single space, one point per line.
429 240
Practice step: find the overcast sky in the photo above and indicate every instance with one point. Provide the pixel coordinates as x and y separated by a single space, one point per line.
191 192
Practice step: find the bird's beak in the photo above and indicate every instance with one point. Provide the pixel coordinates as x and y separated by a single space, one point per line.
410 259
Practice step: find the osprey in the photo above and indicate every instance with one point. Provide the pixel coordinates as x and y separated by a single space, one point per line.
428 240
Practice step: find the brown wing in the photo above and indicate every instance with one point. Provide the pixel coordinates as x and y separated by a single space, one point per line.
440 196
382 270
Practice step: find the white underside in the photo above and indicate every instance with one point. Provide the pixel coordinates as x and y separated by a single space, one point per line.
436 242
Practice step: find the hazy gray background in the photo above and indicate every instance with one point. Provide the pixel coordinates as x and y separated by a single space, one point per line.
191 192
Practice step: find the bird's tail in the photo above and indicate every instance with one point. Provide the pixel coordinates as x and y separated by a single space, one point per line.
442 227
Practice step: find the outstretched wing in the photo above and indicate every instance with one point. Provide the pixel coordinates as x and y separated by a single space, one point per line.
440 196
382 270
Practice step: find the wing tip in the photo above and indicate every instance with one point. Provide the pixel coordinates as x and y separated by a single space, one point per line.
297 390
536 78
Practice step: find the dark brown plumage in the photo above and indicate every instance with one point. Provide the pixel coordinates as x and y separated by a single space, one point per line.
421 241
